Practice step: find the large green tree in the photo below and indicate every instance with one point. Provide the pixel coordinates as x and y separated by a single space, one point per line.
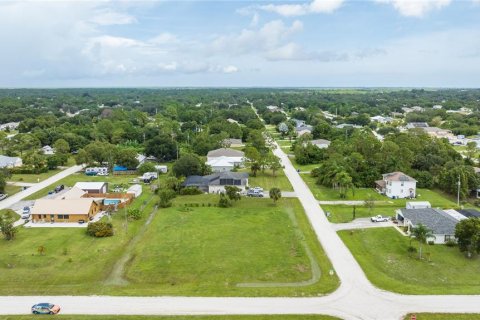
467 232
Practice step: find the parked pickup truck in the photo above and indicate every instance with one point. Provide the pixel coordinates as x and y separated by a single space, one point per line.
379 218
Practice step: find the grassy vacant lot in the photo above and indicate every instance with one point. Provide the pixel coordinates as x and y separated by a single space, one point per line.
344 213
382 254
77 177
11 190
436 198
266 180
73 263
444 316
33 178
209 251
189 251
222 317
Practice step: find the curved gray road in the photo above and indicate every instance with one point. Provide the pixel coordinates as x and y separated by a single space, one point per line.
356 297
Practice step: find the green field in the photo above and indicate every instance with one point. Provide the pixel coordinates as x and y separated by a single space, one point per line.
382 254
222 317
344 213
210 251
183 251
444 316
74 263
266 180
11 190
33 178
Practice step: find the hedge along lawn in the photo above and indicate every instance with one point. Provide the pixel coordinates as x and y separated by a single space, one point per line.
342 213
382 254
207 251
266 180
74 263
222 317
436 198
81 177
444 316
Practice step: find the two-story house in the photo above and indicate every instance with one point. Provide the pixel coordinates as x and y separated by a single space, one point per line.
397 185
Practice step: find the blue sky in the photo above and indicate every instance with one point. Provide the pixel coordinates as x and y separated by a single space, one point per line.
318 43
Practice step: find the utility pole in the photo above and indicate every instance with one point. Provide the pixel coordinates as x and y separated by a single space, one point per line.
458 192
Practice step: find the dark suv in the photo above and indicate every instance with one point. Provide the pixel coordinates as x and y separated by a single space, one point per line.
59 188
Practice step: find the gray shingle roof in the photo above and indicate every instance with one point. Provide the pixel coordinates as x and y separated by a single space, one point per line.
434 219
226 152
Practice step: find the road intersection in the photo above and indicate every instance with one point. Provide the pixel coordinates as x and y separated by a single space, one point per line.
356 298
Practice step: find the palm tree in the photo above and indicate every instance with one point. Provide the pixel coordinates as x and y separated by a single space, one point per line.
421 233
275 194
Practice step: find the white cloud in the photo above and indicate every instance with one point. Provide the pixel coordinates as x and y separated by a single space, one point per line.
316 6
164 38
416 8
229 69
108 18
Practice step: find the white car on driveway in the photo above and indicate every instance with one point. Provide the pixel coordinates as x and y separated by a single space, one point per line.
379 218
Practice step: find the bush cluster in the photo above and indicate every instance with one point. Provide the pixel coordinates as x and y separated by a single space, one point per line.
100 229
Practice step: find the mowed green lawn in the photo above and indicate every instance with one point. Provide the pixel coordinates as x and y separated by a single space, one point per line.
209 250
73 263
222 317
344 213
266 180
11 190
444 316
382 254
202 251
436 198
33 178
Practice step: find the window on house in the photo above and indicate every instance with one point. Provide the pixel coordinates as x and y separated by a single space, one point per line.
66 216
60 216
449 237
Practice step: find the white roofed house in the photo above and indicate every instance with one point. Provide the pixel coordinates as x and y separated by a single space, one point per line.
381 119
320 143
230 142
397 185
225 159
47 150
10 162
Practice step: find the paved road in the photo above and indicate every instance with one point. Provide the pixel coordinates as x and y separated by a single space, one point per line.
10 201
356 297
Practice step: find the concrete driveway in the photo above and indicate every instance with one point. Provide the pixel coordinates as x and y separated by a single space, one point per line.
361 223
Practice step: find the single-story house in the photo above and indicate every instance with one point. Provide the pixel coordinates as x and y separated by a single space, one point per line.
381 119
221 164
215 183
397 185
413 125
92 187
47 150
10 162
223 155
68 210
9 126
418 205
441 223
227 143
136 189
320 143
